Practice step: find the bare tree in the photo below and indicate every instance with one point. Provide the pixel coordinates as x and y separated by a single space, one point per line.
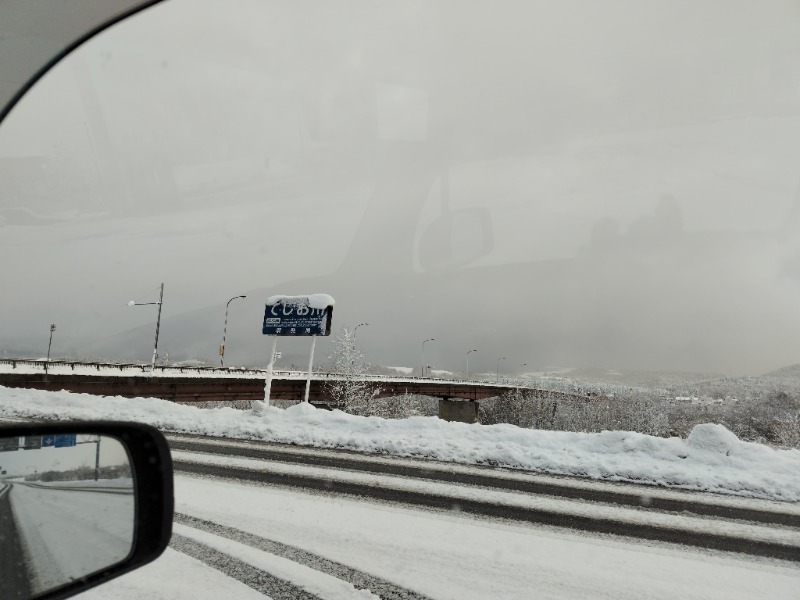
349 391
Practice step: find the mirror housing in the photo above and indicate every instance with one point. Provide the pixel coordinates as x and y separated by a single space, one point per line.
151 469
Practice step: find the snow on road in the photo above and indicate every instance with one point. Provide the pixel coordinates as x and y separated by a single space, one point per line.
579 508
447 555
710 459
173 576
319 584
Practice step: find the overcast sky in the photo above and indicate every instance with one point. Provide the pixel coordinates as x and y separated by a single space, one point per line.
558 183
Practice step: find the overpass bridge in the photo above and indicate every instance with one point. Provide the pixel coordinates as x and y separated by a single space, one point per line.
458 399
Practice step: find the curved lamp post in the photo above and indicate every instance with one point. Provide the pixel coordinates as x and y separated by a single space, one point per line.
158 322
423 353
225 332
355 329
468 353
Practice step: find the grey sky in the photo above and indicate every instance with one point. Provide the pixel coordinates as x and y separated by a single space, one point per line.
562 183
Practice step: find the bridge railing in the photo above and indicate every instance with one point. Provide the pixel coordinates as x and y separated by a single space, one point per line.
61 366
26 366
129 369
111 368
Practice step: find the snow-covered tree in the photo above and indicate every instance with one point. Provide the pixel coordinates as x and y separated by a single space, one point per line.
349 391
405 406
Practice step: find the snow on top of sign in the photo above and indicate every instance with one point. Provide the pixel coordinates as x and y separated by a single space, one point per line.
319 301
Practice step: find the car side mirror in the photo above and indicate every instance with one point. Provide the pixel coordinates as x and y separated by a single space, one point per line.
80 504
456 239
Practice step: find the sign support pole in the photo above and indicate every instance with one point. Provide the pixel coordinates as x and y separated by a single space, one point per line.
268 382
97 460
310 364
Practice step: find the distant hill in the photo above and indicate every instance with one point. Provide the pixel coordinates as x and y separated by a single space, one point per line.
790 372
656 379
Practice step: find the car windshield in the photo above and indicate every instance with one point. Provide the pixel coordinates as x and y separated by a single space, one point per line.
594 207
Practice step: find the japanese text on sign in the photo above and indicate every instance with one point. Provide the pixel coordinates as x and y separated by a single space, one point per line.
297 315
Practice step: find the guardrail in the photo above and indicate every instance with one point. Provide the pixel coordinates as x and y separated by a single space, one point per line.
208 371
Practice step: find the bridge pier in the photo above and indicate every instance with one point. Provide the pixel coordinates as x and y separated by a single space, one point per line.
459 410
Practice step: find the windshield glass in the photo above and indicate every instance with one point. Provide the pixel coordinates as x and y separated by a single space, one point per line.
612 187
594 205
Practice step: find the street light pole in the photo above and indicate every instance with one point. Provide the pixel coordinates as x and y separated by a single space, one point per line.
356 329
158 323
423 354
468 353
225 332
497 375
52 329
158 326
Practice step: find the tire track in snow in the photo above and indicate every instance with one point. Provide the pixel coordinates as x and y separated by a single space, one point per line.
261 581
359 579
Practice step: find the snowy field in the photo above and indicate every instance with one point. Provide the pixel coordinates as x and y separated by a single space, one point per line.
711 459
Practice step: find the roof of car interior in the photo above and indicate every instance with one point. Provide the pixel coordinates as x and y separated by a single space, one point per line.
34 36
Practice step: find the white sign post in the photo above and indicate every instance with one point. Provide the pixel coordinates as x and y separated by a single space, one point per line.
268 382
310 365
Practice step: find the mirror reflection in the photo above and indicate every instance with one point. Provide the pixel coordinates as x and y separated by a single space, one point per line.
66 510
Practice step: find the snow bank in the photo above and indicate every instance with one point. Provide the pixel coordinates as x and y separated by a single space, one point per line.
711 459
713 438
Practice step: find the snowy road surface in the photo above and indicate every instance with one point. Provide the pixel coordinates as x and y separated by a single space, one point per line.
430 553
639 521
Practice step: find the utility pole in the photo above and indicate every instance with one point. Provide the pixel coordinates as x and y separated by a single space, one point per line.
97 460
52 329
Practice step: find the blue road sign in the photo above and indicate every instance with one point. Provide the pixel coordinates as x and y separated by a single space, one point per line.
294 315
48 441
66 440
